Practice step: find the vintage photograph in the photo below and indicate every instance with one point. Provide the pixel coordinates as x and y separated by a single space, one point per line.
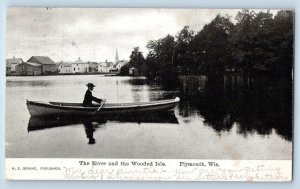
144 83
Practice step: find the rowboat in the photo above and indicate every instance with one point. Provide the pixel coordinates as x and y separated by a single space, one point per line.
62 108
46 122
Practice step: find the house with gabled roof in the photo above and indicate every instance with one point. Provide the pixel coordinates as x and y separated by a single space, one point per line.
64 68
48 66
117 66
120 64
104 67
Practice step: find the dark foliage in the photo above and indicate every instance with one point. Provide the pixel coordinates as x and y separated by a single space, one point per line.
257 42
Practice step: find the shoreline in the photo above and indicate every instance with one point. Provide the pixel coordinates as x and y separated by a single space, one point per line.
62 75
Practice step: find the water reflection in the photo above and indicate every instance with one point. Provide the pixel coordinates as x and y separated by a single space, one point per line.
255 104
89 130
135 81
32 83
254 113
92 123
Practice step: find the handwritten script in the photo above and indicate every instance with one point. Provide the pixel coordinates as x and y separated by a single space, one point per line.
248 173
149 169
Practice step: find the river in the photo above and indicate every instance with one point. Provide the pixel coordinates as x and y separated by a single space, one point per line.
227 122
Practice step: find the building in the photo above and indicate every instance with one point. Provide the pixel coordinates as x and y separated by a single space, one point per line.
48 65
133 71
120 64
64 68
105 67
28 68
117 67
8 67
80 66
11 64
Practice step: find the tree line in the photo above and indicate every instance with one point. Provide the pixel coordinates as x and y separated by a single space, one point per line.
255 42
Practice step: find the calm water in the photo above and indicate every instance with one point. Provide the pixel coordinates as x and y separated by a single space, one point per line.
209 123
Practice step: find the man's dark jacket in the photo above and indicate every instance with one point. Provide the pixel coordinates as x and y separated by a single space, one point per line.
89 98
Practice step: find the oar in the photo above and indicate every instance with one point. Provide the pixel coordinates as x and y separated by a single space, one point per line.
102 103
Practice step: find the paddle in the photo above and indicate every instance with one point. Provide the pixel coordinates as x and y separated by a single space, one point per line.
102 103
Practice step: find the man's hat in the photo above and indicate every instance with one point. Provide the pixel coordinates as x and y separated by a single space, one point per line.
90 85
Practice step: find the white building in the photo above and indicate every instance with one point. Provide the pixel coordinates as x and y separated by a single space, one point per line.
64 68
117 67
120 64
105 67
80 66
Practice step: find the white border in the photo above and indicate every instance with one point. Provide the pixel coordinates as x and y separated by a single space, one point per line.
154 3
148 169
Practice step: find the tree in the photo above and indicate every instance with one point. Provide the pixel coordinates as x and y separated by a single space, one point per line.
242 39
211 48
259 40
137 60
283 42
182 52
160 55
152 62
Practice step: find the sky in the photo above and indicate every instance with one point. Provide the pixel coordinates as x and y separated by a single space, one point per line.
94 34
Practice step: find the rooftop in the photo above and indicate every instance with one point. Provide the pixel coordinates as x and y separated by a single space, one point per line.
65 64
41 60
79 61
107 64
32 64
13 60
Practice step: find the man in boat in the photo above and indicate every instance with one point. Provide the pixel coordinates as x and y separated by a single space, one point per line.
89 98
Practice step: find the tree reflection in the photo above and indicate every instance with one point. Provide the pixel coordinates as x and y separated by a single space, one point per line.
255 104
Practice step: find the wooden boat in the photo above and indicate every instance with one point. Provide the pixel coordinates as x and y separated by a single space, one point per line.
62 108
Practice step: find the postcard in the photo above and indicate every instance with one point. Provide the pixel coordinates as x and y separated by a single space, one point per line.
149 94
